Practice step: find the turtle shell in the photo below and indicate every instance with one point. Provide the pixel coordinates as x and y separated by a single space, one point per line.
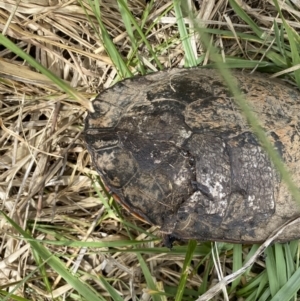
175 150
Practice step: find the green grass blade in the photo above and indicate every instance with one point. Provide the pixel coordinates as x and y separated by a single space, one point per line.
294 39
251 297
280 264
251 285
189 57
4 295
90 244
185 269
237 263
146 13
227 34
265 296
42 270
263 285
251 252
290 288
294 248
272 271
233 62
205 278
150 283
277 59
7 296
59 82
112 292
279 38
289 261
140 32
256 285
241 13
126 16
106 41
112 51
82 288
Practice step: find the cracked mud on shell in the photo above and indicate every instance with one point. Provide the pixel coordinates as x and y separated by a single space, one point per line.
177 152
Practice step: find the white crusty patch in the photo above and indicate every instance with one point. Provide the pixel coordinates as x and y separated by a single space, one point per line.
217 190
255 203
105 161
216 207
155 161
215 187
184 133
181 176
195 197
251 199
208 206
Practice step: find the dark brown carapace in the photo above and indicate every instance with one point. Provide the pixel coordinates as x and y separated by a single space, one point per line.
178 153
